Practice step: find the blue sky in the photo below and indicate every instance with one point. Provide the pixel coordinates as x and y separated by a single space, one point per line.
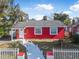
38 8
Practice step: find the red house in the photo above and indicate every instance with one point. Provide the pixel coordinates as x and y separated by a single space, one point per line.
38 30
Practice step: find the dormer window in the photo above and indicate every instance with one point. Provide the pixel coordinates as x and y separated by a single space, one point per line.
53 30
38 30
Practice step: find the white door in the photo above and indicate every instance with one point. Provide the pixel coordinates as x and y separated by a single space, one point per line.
21 34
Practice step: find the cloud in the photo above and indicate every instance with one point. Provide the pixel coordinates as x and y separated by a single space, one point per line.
38 17
45 7
75 7
67 12
37 11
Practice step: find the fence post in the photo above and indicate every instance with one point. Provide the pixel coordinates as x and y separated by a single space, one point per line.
21 55
49 55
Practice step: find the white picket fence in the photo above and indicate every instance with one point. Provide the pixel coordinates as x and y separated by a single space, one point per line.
8 53
66 53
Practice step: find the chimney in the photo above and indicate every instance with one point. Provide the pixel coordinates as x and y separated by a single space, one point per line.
44 17
73 21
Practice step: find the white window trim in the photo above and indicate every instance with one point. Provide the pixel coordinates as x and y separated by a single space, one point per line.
37 33
51 30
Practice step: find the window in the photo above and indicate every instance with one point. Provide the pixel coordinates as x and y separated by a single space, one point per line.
53 30
38 30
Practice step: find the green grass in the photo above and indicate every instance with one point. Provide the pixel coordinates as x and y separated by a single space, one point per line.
47 46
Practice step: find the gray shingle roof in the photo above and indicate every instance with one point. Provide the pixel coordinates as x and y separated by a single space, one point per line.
33 23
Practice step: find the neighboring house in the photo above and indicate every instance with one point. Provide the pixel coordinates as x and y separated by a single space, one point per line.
72 29
67 30
75 28
39 30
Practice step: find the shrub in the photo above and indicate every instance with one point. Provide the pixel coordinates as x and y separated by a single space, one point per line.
75 38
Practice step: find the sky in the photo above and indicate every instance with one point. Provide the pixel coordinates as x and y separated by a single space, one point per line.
38 8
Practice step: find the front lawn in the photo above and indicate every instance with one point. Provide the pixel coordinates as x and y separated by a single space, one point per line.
46 46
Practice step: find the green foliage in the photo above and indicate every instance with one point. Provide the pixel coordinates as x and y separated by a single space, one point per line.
17 45
1 31
7 19
47 46
75 38
60 16
67 21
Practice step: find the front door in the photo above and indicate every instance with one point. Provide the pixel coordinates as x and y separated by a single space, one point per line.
21 33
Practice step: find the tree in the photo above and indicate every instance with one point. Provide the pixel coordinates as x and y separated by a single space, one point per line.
9 13
61 16
3 8
4 15
67 21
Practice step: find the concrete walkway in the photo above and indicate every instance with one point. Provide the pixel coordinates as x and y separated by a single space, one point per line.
33 52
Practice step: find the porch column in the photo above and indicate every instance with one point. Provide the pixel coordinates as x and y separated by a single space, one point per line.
11 34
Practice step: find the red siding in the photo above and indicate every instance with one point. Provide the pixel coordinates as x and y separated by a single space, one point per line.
29 33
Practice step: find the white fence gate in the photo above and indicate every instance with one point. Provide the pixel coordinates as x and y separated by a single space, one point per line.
66 53
8 53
